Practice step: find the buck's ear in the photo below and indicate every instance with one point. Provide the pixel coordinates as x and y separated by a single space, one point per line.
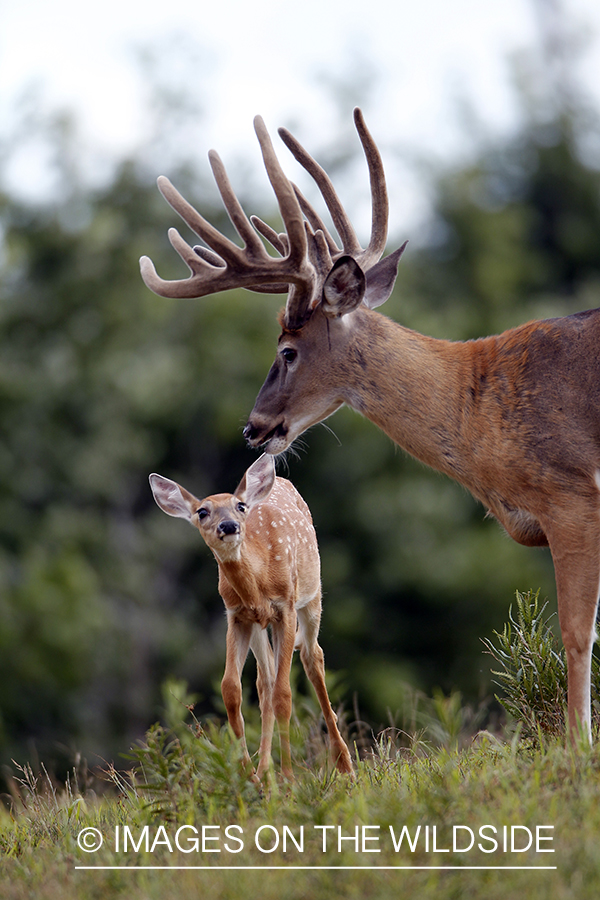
382 277
344 288
258 481
172 498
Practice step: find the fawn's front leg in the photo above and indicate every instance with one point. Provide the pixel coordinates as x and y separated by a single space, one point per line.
237 644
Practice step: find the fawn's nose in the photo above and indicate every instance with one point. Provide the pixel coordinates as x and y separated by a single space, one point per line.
228 527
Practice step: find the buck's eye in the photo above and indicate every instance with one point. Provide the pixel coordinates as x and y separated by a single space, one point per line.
289 354
242 507
202 513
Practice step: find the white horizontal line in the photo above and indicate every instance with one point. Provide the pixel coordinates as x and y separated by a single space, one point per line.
316 868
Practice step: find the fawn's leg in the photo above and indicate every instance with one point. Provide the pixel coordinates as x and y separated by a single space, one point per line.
311 654
284 636
265 683
237 644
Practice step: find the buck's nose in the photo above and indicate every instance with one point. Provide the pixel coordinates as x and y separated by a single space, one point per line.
228 527
257 433
250 433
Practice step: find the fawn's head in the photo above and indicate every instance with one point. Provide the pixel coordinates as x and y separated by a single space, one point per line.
220 518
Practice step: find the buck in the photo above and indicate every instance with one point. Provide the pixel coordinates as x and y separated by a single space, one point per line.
514 417
264 542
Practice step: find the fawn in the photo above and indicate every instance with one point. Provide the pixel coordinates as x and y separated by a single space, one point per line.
263 539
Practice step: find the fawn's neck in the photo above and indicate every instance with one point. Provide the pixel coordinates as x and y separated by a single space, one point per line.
242 578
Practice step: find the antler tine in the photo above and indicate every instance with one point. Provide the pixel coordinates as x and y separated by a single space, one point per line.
225 248
238 217
339 215
172 289
288 204
210 273
316 222
204 253
302 286
379 197
278 241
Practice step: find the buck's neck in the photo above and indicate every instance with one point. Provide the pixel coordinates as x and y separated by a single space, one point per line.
412 387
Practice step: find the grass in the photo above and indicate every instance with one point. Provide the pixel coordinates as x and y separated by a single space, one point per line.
186 787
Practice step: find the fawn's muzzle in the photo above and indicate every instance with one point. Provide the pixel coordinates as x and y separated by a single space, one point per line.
228 527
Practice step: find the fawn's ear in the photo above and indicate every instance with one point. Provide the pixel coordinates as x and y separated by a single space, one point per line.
258 481
172 498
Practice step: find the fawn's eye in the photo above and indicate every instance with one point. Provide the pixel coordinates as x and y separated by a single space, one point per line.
202 513
289 354
241 507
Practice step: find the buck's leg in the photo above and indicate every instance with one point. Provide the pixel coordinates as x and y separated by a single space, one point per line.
265 681
237 643
576 554
313 660
284 637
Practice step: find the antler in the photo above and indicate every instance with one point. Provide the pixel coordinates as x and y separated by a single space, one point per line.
379 222
306 249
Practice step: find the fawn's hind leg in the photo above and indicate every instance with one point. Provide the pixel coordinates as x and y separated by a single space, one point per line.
265 683
313 660
284 636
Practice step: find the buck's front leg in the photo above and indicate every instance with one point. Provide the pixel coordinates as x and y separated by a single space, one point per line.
284 637
576 555
237 643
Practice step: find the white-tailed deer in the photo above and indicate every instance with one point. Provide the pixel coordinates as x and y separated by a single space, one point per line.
515 418
263 539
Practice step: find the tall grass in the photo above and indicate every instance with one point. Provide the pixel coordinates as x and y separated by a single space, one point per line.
187 778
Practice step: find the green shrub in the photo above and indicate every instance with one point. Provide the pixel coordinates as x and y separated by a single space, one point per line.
533 669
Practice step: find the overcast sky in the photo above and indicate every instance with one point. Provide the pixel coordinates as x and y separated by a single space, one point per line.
259 56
